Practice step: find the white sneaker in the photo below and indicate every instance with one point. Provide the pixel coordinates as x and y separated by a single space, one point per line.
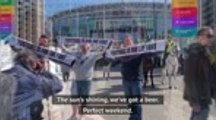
75 118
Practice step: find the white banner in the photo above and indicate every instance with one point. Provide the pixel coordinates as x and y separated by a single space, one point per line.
151 47
50 54
80 40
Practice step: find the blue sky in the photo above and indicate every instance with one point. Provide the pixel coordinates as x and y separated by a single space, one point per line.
54 6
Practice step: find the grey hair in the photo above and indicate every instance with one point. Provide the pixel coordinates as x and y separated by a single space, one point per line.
21 57
128 35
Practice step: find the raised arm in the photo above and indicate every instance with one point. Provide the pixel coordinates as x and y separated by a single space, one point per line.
65 49
103 53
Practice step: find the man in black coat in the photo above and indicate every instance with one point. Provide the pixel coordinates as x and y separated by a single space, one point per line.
197 79
131 77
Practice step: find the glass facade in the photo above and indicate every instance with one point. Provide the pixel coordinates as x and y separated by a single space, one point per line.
109 21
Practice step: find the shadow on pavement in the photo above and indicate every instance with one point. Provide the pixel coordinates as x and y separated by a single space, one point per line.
108 91
118 88
150 89
111 78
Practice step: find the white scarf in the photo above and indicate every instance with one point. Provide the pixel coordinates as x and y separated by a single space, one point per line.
50 54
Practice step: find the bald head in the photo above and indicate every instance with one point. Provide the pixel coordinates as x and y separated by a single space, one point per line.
128 40
85 48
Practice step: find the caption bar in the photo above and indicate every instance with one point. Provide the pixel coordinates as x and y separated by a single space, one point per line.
155 100
108 110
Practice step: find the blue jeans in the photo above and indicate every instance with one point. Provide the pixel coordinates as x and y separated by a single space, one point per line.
24 115
81 88
202 115
133 89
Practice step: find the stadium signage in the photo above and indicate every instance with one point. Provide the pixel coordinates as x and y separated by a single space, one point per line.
80 40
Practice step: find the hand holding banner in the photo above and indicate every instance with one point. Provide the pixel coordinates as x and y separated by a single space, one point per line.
52 55
151 47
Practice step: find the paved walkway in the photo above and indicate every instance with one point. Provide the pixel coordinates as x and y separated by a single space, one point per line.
174 107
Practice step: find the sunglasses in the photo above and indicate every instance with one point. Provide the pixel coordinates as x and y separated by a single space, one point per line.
208 35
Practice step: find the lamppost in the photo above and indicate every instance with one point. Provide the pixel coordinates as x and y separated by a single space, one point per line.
87 26
165 20
154 20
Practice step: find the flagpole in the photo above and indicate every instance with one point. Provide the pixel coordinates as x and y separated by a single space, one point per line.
155 19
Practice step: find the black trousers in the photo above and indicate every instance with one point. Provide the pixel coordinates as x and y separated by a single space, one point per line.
36 110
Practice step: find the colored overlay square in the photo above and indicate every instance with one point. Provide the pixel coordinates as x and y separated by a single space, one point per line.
6 2
184 3
184 12
184 32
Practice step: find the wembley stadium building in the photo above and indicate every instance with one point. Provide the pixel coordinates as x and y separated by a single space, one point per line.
145 21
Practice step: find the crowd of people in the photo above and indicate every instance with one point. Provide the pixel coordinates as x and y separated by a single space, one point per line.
30 80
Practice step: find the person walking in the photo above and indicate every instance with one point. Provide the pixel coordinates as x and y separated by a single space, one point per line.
197 80
106 71
65 70
148 67
181 64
